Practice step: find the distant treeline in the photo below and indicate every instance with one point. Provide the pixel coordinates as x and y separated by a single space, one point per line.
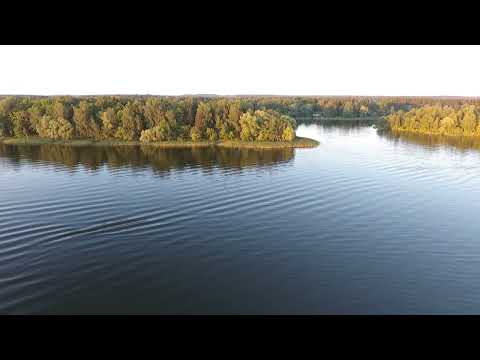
167 118
438 120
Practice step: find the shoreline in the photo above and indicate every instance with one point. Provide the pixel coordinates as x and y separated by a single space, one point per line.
299 142
339 118
393 130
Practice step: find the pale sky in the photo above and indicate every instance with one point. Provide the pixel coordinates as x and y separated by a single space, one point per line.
230 70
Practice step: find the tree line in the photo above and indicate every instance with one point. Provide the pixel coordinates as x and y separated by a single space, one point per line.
148 119
332 107
463 120
154 118
196 118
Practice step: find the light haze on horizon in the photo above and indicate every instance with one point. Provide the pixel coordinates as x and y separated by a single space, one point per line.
241 70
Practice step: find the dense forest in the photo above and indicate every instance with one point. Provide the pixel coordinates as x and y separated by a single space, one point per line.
193 118
151 119
463 120
212 118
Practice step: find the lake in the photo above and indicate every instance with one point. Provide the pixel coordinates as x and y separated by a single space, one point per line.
366 223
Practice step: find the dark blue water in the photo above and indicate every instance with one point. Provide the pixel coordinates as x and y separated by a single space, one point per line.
366 223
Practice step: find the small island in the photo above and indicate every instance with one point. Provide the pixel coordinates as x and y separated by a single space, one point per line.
153 121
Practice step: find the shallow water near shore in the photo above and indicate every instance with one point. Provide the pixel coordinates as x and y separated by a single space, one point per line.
366 223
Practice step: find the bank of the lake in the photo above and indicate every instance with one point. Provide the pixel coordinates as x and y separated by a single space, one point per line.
433 133
299 142
345 118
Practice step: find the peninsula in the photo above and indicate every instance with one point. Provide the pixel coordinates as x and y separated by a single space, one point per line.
133 120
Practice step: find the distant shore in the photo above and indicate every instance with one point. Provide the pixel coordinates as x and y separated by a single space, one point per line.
299 142
338 118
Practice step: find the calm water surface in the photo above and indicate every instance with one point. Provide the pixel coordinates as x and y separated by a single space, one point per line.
365 223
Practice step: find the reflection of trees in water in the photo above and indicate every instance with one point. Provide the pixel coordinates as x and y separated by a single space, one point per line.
159 159
459 142
214 156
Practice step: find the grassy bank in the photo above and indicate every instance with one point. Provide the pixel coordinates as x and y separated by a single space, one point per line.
87 142
299 142
434 133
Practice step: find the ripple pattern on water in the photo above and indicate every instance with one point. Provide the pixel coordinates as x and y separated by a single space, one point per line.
364 223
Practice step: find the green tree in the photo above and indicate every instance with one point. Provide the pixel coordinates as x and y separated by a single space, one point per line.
211 134
153 112
55 128
131 122
288 134
161 132
203 117
85 120
110 123
7 105
21 124
195 134
469 120
61 110
250 126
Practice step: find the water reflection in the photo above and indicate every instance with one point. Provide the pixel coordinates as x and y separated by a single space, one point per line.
138 157
366 223
431 141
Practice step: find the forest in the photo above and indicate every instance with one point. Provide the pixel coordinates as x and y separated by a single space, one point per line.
194 118
156 119
150 119
438 119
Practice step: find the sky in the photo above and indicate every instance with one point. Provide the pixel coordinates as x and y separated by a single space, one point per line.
232 70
